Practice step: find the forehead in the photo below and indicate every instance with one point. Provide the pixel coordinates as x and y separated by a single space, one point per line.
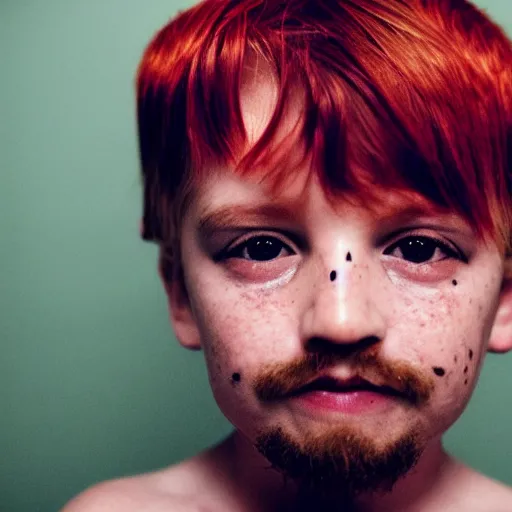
259 94
226 199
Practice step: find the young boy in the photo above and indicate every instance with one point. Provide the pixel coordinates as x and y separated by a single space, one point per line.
369 141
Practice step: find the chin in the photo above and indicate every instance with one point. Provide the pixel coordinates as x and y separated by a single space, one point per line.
340 460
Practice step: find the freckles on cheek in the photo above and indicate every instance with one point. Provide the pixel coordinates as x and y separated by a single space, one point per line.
445 344
466 367
439 371
230 347
461 367
235 378
449 325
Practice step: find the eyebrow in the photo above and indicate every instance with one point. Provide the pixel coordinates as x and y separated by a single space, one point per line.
390 214
237 216
230 217
452 222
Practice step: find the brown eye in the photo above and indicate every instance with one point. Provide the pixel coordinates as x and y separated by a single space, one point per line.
421 249
258 248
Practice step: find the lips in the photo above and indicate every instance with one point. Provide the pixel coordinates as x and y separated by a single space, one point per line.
334 385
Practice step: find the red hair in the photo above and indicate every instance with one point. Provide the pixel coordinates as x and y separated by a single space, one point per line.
409 94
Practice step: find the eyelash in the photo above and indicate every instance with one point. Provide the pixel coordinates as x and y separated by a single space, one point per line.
448 250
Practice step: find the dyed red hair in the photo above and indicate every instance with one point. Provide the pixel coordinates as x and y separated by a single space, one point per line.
408 94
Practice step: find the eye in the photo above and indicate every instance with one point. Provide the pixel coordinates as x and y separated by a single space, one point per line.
258 248
421 249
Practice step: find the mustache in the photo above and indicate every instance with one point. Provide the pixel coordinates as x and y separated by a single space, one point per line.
280 380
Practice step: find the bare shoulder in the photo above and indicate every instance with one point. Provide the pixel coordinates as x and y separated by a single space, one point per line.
484 493
188 486
499 496
126 495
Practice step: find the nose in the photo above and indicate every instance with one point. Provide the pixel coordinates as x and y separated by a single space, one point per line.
346 312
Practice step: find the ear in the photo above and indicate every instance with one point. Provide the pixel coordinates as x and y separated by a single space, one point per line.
500 340
180 312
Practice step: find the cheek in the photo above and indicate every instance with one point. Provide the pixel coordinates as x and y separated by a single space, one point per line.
430 330
239 334
445 334
239 338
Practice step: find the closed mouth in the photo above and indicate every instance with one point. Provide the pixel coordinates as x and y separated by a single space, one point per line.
333 385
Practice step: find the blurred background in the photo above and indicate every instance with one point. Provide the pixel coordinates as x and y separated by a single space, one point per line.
93 383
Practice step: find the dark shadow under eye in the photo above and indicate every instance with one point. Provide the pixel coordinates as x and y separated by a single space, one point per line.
259 248
420 249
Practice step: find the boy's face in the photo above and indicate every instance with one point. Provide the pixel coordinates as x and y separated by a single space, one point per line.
418 294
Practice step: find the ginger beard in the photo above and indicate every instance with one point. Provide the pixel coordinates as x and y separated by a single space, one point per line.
341 461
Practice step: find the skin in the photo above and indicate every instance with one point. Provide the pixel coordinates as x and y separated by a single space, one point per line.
246 315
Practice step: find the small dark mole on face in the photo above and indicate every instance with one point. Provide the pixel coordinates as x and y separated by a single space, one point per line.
438 371
455 359
349 256
470 354
235 377
454 282
466 382
333 275
466 369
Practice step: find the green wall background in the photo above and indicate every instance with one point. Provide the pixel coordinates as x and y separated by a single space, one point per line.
93 384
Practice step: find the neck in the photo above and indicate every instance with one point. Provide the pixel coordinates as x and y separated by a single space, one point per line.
261 488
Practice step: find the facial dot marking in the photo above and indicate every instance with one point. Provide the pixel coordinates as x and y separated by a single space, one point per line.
466 382
439 371
466 369
454 358
470 354
333 275
454 282
235 377
349 256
